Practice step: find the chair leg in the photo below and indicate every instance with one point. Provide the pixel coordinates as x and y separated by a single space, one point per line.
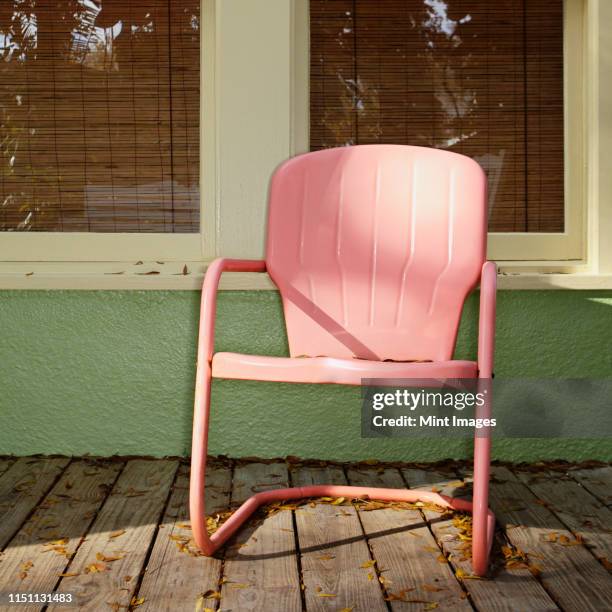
199 449
483 521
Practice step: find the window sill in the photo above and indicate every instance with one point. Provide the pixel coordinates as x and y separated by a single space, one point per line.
544 280
189 275
104 276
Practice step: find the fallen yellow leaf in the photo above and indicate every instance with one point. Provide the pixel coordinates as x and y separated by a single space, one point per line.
401 596
465 576
25 566
536 570
102 557
199 607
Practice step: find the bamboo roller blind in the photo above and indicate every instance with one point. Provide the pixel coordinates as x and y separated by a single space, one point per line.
99 115
476 77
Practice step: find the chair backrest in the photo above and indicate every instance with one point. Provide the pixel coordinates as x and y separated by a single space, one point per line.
374 249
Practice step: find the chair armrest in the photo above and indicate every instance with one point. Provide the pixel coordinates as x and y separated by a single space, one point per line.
486 319
208 305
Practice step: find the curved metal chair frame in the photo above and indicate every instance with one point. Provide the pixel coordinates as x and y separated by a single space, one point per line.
374 250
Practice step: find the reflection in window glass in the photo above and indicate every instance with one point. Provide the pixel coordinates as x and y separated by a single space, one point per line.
476 77
99 115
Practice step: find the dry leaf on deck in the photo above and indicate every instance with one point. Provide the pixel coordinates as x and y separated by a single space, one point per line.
24 567
465 576
536 570
551 537
102 557
199 607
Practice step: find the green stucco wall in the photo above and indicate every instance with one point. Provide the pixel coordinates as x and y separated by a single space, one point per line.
105 372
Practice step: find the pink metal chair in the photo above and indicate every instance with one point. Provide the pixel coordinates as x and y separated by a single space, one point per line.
374 250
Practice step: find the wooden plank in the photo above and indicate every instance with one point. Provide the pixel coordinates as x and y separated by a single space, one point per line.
22 486
5 464
332 550
573 577
39 553
402 545
119 539
582 513
177 575
598 481
261 571
510 589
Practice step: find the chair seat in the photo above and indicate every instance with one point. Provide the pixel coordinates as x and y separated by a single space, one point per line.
332 370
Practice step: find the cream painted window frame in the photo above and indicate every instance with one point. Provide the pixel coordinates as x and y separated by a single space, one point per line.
549 248
246 119
567 247
79 247
581 256
255 71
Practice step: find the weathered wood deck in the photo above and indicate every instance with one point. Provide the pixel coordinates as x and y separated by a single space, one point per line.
116 534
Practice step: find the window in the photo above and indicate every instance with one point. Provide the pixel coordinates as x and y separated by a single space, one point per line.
100 113
100 130
485 79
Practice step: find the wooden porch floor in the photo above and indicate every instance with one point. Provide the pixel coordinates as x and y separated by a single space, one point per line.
116 534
